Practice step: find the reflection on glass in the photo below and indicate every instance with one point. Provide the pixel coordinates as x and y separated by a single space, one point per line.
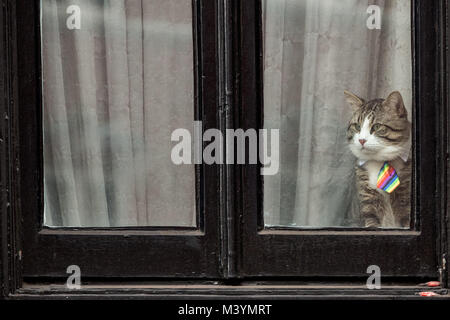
117 80
345 159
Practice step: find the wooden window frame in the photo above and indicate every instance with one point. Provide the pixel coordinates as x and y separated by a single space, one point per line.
228 62
158 252
348 252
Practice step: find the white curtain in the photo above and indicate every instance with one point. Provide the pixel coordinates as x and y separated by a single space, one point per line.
114 90
313 51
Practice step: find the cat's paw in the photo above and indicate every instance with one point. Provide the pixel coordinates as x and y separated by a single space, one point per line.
372 222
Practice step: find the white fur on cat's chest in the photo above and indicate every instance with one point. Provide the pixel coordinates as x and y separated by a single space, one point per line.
373 169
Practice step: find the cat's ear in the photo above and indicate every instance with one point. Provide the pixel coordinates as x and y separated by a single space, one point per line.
394 103
353 100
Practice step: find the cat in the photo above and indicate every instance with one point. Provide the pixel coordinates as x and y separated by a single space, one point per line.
379 135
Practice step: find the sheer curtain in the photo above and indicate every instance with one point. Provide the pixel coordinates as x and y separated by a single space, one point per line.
313 51
114 90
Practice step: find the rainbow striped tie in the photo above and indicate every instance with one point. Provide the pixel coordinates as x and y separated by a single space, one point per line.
387 178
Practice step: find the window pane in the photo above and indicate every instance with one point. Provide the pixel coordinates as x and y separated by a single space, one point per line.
345 159
117 80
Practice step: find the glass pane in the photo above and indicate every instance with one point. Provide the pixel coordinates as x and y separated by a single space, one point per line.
345 158
117 80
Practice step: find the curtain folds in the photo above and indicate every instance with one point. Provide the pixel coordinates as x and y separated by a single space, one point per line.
313 51
114 90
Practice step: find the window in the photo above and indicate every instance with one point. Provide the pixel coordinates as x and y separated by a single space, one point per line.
114 89
107 194
313 52
302 116
293 78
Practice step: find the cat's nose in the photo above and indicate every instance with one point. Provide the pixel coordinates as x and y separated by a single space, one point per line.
362 141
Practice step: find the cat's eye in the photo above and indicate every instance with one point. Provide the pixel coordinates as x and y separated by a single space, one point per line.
355 127
377 127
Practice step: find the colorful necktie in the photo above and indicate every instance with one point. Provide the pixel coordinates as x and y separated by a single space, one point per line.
387 178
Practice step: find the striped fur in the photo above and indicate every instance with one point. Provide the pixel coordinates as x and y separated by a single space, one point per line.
379 132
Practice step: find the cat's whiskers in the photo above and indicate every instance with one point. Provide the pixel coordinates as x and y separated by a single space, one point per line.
379 131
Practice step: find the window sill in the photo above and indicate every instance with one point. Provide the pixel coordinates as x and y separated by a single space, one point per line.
222 291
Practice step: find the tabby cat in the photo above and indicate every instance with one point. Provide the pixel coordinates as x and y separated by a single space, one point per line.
379 135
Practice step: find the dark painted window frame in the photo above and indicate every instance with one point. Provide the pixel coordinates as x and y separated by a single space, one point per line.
228 41
162 252
340 253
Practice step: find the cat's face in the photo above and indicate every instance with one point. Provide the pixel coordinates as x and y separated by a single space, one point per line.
378 129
